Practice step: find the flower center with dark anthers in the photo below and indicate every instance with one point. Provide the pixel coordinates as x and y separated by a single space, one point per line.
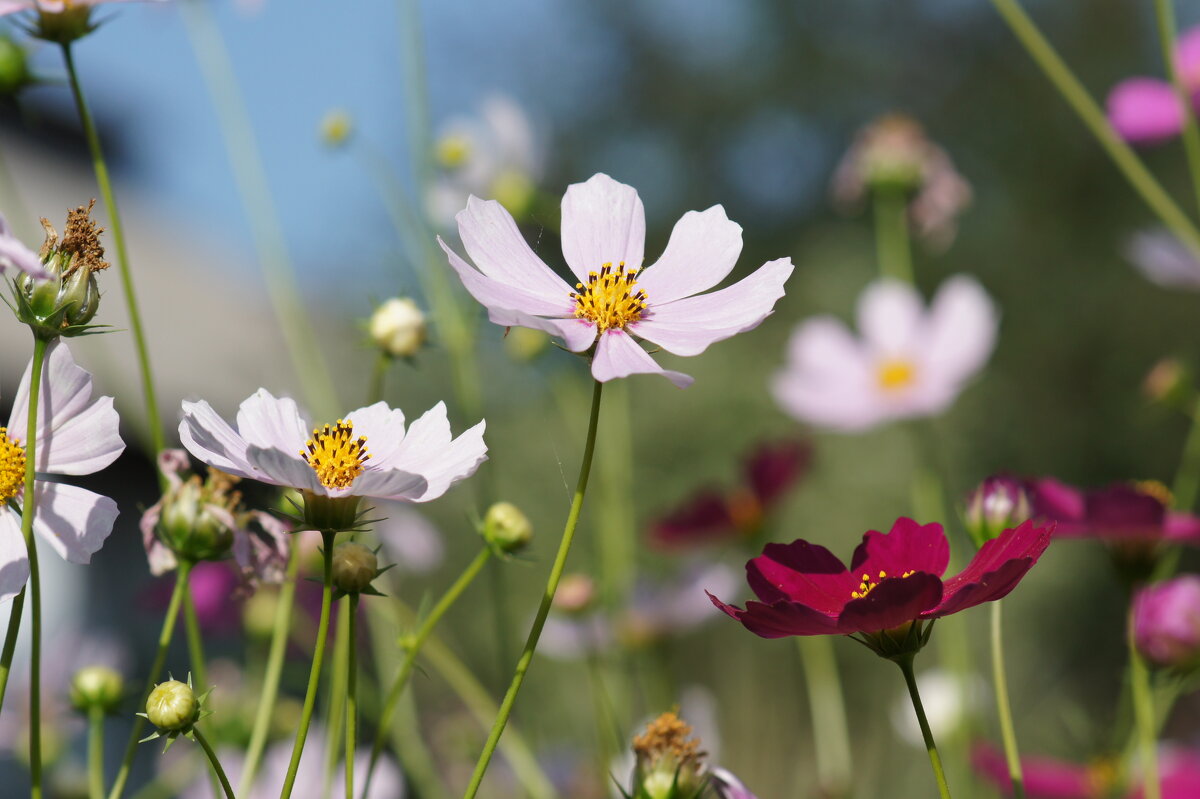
1155 490
868 584
335 454
12 467
609 299
895 374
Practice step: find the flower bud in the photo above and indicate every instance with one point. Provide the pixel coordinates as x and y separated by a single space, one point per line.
354 567
507 528
576 593
1168 383
1166 622
193 524
669 761
14 67
336 128
173 706
398 327
97 687
64 303
999 503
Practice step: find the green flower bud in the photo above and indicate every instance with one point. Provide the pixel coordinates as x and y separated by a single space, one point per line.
398 327
173 706
97 687
507 528
196 517
64 303
258 613
354 567
998 504
14 66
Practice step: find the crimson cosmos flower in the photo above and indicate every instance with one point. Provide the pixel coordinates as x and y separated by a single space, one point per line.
894 585
1118 512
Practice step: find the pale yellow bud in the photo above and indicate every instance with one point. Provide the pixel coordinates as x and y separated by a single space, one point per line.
172 706
398 327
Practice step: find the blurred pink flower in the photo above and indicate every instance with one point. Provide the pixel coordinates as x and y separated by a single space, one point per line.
909 362
15 255
1164 260
603 238
1118 512
1045 778
1147 110
1166 621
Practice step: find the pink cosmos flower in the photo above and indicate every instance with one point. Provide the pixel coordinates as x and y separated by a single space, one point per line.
75 435
1166 621
15 255
1147 110
909 362
1045 777
1117 512
603 238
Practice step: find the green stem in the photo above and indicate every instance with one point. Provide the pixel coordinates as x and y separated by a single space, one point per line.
378 373
412 650
195 642
827 705
906 666
1165 12
118 234
216 764
270 687
96 752
28 511
10 642
160 657
617 528
1144 183
351 694
314 675
535 633
1003 710
336 710
891 234
1143 711
1187 476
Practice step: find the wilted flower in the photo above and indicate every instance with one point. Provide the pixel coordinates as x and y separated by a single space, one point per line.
670 764
64 303
1147 110
398 327
1000 502
892 588
767 475
1166 622
75 435
910 362
603 237
59 21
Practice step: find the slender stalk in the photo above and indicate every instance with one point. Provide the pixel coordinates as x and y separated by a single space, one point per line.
270 686
314 675
1092 116
336 710
10 642
1187 475
535 633
382 363
182 576
195 642
216 764
1164 10
351 693
28 511
616 525
891 234
118 233
827 705
412 650
1003 710
96 752
1143 712
906 666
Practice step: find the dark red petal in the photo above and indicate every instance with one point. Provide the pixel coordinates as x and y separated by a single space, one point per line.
779 619
800 572
774 468
991 586
1056 501
908 547
892 602
1122 507
1028 540
702 517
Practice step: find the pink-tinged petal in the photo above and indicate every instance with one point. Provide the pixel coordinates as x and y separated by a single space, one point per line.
891 603
801 572
1145 111
158 554
267 422
1045 778
618 355
274 466
1057 501
1163 259
83 444
207 436
16 6
828 380
497 247
383 428
429 451
728 786
890 317
961 329
688 326
576 334
602 222
909 546
493 294
74 521
780 619
996 568
1187 57
991 586
13 253
14 565
1181 528
702 251
65 393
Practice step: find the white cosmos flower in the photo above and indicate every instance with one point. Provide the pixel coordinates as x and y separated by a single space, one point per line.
75 435
367 454
910 361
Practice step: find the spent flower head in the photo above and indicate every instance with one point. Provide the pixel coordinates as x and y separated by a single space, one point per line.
670 763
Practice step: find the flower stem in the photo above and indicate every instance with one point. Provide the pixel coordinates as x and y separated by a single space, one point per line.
164 642
270 687
906 666
96 752
412 650
378 373
314 675
10 642
336 709
1165 12
827 704
351 693
1143 712
1003 710
195 642
616 526
118 233
891 234
28 511
1056 70
216 764
539 621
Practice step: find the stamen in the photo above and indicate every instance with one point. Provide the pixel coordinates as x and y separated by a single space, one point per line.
12 467
609 299
335 454
867 585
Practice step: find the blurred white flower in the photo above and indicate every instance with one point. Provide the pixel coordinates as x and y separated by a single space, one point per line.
409 539
1164 260
675 606
949 702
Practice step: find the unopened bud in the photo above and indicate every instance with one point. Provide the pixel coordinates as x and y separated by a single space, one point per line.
1168 383
173 706
575 594
14 66
336 128
452 150
97 687
514 190
999 503
506 527
1166 622
398 327
193 524
354 567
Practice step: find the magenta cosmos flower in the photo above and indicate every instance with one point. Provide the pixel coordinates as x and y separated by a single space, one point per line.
1166 622
603 238
894 584
1048 778
1118 512
1147 110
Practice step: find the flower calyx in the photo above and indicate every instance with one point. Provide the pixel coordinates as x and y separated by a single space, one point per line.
900 643
355 567
174 708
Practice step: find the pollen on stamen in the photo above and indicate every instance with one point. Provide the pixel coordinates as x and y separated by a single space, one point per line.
867 584
12 467
608 298
335 454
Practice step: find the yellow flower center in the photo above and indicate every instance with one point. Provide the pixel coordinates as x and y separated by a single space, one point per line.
1156 490
335 454
895 374
609 298
868 585
12 467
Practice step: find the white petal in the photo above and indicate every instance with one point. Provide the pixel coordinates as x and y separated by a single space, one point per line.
14 562
961 331
395 484
576 334
429 451
602 222
73 520
618 355
890 316
282 469
206 435
497 247
272 423
383 427
702 251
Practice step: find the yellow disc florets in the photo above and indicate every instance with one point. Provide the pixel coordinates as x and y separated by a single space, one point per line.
335 454
12 467
610 299
868 584
895 374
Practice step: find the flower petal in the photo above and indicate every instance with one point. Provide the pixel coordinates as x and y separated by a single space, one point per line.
1145 111
1043 776
577 334
206 435
891 603
14 564
909 546
779 619
801 572
13 253
700 518
428 451
602 222
775 467
1163 259
996 568
618 355
961 330
702 250
73 520
828 380
270 422
890 316
502 296
274 466
383 428
688 326
496 245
